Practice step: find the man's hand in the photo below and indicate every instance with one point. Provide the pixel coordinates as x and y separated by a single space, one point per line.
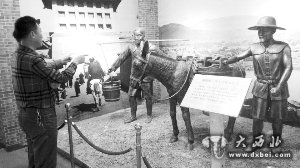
79 59
225 61
229 60
54 85
275 90
66 59
110 70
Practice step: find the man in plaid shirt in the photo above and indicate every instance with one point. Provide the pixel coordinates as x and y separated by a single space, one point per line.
33 83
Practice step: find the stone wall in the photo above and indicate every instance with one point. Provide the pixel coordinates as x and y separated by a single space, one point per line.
11 136
148 19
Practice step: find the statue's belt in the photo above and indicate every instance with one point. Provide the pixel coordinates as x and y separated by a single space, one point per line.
269 81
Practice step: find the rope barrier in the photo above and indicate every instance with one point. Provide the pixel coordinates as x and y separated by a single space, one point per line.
70 135
98 148
138 129
146 162
139 153
74 161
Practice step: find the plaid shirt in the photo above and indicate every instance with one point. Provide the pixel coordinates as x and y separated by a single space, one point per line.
31 77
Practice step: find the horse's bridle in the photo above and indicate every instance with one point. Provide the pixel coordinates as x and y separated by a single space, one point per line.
145 65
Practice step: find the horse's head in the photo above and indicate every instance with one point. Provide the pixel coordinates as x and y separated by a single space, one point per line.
139 65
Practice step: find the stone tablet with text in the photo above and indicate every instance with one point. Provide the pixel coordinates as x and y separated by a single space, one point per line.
218 94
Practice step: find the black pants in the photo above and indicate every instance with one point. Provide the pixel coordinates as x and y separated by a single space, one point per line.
56 94
274 109
41 138
147 88
70 82
88 87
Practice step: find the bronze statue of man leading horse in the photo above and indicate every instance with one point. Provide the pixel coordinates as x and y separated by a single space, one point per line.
176 76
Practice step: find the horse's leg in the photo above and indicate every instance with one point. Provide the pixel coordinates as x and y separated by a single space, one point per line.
99 98
147 89
100 93
95 100
133 107
174 137
188 125
229 129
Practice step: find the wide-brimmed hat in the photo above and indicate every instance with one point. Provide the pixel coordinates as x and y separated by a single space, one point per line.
266 21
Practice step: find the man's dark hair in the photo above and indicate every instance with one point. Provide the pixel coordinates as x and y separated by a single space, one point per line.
23 26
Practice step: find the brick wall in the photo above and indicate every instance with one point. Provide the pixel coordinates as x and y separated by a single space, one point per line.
10 134
148 19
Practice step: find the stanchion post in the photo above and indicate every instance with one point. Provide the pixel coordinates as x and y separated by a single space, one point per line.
216 128
138 129
70 135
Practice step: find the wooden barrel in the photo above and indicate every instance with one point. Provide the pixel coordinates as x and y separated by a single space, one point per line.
111 90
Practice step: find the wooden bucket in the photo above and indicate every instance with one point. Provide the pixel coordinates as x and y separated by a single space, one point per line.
111 90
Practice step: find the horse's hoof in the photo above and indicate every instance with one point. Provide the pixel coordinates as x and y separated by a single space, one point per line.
190 146
129 120
149 119
95 109
173 139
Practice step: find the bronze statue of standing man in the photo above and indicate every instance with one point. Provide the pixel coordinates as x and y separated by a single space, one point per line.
135 51
272 63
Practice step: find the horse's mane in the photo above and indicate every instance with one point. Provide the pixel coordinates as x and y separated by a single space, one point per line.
162 55
161 63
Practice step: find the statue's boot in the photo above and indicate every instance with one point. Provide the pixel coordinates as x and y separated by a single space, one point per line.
133 106
277 126
149 110
257 127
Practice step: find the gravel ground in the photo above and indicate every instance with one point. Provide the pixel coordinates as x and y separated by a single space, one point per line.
109 132
82 106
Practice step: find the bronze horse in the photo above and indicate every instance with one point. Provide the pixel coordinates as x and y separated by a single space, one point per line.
176 76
